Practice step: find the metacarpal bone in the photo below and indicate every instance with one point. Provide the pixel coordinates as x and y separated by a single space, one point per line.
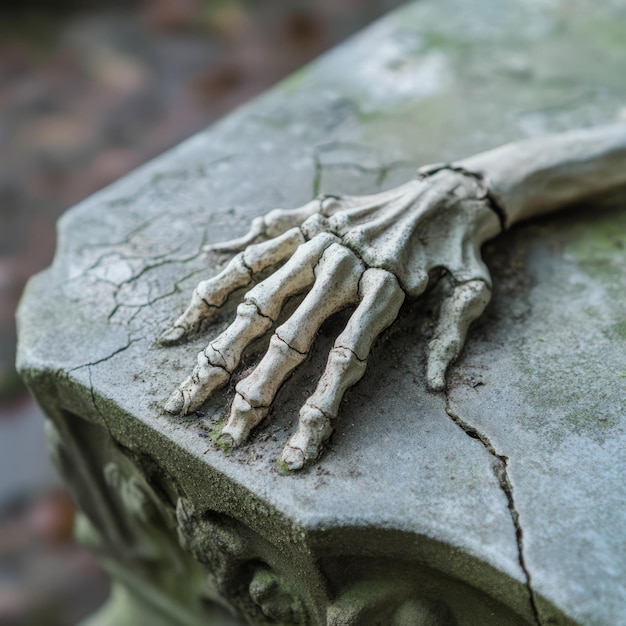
293 277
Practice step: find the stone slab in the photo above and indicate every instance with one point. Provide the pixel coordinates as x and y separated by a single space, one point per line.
541 382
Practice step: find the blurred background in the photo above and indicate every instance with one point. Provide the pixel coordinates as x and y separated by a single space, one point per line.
90 89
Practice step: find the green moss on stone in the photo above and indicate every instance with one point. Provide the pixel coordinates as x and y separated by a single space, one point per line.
215 437
282 466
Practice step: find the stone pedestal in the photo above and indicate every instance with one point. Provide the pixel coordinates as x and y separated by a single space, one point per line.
501 501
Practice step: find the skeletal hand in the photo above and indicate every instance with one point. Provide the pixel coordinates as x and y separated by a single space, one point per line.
369 252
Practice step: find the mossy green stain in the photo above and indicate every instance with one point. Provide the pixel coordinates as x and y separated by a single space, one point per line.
557 385
215 437
599 249
618 329
282 466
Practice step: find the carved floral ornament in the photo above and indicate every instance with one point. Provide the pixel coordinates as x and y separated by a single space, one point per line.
372 253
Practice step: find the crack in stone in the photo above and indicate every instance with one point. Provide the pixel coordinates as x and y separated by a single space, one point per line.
500 469
114 252
163 260
382 171
156 178
129 343
116 244
175 289
149 267
95 404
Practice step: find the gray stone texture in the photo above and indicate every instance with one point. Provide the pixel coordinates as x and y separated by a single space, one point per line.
502 497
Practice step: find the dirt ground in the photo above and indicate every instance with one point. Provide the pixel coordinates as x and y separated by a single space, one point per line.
89 91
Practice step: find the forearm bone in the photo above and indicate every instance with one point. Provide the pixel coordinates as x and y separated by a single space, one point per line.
536 176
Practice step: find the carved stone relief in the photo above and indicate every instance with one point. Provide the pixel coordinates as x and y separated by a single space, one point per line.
130 525
257 590
177 561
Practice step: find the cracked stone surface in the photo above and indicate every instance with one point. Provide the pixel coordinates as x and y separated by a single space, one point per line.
519 465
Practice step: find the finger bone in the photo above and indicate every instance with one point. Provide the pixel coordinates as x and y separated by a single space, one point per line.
260 387
293 458
381 299
242 419
278 221
263 255
467 303
304 445
224 353
215 291
343 370
257 229
297 274
207 298
338 272
226 350
218 360
175 402
204 380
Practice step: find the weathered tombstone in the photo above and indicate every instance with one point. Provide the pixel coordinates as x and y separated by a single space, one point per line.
501 501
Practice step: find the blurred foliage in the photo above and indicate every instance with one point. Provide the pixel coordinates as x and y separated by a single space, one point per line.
90 89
